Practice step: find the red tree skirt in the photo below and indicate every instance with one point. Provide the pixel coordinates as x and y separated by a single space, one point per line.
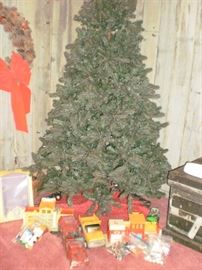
81 205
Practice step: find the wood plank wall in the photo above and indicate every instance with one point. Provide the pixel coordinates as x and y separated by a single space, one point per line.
173 45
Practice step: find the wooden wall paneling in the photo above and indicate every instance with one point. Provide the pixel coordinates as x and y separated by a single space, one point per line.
11 141
41 102
60 32
6 117
63 33
165 77
191 146
151 22
182 71
23 141
139 10
38 13
75 7
172 44
59 39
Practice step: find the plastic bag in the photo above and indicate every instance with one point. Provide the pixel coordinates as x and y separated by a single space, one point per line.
158 248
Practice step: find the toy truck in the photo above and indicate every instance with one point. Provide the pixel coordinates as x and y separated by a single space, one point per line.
69 227
76 252
73 240
92 232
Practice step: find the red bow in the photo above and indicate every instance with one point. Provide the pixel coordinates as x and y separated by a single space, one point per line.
14 78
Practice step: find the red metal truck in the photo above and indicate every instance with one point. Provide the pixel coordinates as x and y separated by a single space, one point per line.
69 227
76 252
73 240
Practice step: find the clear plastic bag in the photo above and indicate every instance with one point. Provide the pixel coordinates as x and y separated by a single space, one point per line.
158 248
139 245
119 250
15 194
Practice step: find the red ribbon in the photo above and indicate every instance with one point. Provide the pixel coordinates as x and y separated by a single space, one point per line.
15 78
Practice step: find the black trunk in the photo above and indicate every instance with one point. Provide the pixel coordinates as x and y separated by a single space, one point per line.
185 208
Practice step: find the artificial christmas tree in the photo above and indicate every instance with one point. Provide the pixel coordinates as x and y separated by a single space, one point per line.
102 133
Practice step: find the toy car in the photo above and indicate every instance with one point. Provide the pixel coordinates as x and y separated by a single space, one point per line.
76 252
69 227
93 234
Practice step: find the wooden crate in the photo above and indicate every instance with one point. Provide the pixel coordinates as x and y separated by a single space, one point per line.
184 220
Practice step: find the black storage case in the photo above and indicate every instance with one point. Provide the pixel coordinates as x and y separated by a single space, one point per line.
184 220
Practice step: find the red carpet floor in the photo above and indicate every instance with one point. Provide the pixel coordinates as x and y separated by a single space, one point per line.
49 254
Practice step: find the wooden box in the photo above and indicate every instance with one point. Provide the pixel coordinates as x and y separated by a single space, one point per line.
184 220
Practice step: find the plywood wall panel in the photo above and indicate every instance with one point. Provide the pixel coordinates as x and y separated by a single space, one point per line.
75 6
8 147
172 44
151 23
192 133
175 59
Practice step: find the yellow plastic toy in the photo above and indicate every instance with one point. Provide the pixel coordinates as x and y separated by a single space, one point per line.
92 231
46 213
142 227
151 227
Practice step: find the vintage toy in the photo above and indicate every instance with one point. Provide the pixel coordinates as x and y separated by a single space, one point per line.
69 227
76 252
140 226
118 230
73 240
137 224
154 215
46 213
30 235
93 234
151 227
